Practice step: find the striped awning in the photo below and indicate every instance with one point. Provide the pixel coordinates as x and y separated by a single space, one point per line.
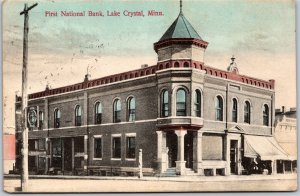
266 148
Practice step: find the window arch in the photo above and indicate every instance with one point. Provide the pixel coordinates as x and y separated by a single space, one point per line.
197 103
266 115
181 102
57 116
131 109
176 64
98 113
78 115
247 112
234 110
219 108
117 110
165 103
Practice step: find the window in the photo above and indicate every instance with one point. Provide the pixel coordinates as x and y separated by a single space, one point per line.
197 103
116 147
78 116
97 147
180 103
41 119
234 110
117 111
266 115
130 147
32 145
41 144
131 109
98 113
219 108
247 112
165 104
57 118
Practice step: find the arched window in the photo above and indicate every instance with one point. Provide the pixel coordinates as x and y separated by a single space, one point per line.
266 115
234 110
57 118
219 108
165 103
78 115
247 112
131 109
176 64
117 110
98 113
197 103
180 103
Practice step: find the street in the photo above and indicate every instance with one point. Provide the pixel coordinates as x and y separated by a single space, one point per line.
154 184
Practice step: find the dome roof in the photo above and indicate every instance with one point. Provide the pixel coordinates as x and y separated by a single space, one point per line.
180 28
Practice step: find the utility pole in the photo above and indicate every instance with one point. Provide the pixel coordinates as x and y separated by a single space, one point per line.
24 174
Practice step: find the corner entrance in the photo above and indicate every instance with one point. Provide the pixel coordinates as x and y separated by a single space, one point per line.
188 149
171 143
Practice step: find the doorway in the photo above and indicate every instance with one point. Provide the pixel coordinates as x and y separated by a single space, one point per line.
233 156
171 141
67 154
188 149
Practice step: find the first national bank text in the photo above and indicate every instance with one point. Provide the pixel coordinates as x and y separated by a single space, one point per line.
101 14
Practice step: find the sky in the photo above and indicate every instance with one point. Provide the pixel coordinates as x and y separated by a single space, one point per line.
260 34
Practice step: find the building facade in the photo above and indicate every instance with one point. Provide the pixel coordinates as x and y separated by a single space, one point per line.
187 117
286 135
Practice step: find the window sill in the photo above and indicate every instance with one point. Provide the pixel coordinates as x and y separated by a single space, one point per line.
97 159
130 159
115 159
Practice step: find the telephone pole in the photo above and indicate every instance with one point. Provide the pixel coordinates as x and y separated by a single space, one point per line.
24 174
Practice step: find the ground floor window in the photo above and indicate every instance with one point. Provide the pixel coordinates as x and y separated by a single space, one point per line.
212 147
116 147
130 147
97 147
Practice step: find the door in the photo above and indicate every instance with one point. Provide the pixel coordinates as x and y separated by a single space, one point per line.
233 156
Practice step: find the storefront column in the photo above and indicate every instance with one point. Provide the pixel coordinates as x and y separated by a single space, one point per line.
162 156
85 154
180 163
47 155
292 167
199 153
274 167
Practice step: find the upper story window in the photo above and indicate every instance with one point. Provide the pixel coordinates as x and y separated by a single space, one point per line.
197 103
165 104
117 110
98 113
56 118
181 103
266 115
78 114
131 109
41 119
247 112
219 108
234 110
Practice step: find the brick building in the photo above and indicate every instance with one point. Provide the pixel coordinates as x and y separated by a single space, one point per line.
186 116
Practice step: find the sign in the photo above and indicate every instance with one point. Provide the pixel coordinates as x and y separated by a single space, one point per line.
32 116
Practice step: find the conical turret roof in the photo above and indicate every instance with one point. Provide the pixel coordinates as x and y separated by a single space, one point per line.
180 28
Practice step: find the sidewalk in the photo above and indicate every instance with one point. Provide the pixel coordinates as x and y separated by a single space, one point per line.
176 179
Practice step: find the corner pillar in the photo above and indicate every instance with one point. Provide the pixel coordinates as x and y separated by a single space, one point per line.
162 156
199 153
180 163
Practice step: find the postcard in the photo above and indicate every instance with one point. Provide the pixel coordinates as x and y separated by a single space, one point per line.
149 96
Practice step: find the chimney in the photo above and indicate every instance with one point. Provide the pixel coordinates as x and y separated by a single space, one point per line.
283 109
293 109
144 66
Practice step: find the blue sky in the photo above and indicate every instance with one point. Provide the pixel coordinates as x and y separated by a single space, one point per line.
261 34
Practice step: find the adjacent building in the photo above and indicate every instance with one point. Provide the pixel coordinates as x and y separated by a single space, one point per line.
187 117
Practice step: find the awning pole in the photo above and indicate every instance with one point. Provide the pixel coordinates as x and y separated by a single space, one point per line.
283 167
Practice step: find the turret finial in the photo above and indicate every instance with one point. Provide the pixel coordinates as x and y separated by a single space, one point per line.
180 6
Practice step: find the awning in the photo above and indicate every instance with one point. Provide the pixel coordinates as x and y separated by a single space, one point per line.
264 147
